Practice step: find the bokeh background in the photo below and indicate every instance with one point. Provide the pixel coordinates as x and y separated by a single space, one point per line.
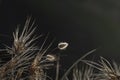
84 24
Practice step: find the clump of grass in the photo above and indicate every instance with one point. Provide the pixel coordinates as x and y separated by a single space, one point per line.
29 61
106 70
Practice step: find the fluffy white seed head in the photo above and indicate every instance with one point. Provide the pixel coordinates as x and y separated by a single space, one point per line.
51 57
62 45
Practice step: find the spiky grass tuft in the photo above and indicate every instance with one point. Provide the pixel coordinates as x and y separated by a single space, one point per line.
107 70
83 73
28 61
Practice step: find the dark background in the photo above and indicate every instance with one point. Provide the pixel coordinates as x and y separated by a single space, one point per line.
84 24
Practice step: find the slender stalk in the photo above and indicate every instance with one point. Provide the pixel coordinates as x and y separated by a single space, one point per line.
57 68
67 72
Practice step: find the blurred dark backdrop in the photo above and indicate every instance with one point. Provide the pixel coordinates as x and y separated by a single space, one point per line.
84 24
